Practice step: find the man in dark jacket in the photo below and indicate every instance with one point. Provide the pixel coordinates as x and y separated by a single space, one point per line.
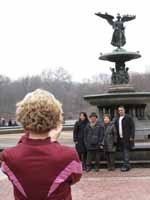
126 132
93 138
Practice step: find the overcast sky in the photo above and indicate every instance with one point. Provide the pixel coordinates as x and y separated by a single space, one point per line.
39 34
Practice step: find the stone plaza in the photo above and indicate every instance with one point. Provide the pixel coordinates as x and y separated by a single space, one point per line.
102 185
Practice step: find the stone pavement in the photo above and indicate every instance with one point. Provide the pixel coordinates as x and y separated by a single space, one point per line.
102 185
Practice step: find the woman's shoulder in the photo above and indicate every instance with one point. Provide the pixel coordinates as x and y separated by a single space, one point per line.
112 124
67 149
68 152
77 123
8 153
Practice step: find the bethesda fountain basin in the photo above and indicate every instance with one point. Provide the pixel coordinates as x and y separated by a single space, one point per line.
134 103
120 91
120 53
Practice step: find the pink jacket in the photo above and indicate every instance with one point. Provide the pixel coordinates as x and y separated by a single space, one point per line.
41 170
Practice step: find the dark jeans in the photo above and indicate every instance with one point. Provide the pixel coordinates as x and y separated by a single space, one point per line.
126 156
83 158
110 157
125 152
93 155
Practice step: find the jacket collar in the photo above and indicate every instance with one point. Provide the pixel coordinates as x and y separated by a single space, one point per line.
30 141
96 124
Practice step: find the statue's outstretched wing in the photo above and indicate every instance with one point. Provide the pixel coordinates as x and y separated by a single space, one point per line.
106 16
126 18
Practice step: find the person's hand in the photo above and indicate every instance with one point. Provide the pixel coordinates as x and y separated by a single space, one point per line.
101 146
131 143
55 133
131 139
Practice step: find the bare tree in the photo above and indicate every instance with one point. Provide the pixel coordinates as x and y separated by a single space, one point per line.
59 82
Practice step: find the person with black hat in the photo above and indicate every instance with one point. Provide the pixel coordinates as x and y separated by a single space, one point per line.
93 138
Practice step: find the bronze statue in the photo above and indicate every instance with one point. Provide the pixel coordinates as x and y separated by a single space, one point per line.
120 76
113 76
118 38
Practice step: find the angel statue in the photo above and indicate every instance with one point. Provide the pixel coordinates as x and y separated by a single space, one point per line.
118 37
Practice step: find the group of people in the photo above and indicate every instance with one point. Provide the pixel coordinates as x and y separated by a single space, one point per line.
7 122
93 138
41 168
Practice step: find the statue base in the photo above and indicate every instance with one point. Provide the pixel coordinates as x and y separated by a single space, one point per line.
121 88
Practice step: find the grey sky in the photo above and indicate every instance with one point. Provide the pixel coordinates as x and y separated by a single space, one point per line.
41 34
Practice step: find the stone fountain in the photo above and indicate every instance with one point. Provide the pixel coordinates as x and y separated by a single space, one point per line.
121 92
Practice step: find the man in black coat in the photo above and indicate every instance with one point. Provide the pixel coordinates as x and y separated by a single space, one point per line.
126 132
93 138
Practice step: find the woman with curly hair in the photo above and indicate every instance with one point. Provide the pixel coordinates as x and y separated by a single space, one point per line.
41 169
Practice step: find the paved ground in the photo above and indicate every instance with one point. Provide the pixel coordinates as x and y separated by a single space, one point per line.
102 185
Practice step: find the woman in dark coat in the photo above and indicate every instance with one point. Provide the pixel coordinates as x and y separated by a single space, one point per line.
78 137
110 140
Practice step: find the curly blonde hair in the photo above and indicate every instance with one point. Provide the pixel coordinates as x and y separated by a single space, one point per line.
39 111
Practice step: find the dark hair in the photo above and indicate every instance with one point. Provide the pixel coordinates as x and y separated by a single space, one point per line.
85 115
121 107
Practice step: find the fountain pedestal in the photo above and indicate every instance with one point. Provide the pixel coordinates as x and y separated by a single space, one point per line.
121 92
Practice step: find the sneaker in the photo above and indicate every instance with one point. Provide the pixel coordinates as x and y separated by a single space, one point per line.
111 168
88 169
96 169
125 168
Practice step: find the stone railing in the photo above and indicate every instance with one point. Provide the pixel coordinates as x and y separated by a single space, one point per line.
19 129
141 134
